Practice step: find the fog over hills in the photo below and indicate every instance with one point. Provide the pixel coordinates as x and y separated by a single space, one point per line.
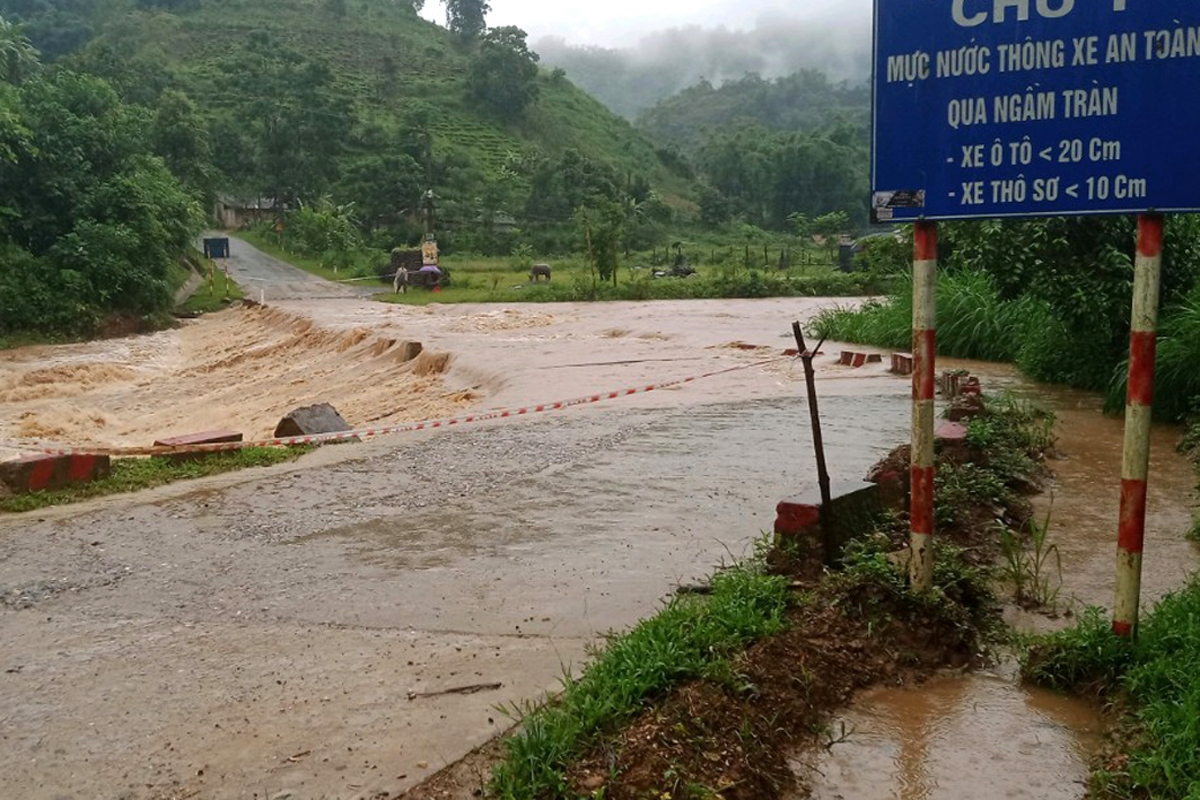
659 64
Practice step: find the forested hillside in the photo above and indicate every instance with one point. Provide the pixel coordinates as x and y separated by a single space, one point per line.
359 101
122 121
771 152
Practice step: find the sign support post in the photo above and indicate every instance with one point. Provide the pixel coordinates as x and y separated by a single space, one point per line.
1135 465
921 459
1011 109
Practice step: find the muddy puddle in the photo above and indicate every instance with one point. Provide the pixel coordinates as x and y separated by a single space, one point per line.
984 735
956 738
1083 504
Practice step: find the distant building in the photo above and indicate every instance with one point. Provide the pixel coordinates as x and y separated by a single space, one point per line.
499 222
235 213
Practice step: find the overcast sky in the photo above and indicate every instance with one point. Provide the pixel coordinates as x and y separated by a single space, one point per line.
617 23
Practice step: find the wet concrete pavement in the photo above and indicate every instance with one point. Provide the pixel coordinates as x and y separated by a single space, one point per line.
267 635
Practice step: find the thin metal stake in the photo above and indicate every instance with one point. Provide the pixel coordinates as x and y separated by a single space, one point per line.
810 384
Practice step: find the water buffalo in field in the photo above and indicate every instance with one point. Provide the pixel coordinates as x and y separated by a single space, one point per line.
539 271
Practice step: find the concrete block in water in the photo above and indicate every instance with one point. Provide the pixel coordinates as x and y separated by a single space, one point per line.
310 421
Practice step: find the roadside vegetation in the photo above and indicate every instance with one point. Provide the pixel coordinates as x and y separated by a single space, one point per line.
1151 687
710 696
221 292
135 474
1053 297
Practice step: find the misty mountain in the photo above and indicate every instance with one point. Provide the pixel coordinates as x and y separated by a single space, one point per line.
803 102
663 63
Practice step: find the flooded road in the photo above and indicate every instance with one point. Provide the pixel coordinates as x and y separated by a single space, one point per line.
1083 504
322 628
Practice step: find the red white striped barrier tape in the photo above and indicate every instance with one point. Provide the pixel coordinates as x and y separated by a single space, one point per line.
387 430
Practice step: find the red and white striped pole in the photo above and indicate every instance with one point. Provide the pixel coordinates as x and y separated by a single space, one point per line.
1135 466
920 567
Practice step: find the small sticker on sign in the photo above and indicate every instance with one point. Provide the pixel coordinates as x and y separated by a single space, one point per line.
883 203
901 198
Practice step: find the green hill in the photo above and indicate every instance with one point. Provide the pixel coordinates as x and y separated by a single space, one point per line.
805 102
362 101
777 154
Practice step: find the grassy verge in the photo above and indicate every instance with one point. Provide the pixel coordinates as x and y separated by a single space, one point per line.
219 295
692 637
9 341
1154 684
974 322
133 474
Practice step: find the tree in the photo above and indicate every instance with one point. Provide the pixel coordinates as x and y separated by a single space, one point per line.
831 224
382 186
603 227
180 135
14 136
466 18
295 122
503 75
90 221
18 58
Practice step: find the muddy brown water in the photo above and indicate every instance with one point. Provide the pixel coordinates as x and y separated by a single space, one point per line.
956 737
984 735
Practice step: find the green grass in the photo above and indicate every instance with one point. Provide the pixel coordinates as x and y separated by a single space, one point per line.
1157 676
972 321
1176 363
692 637
213 297
9 341
134 474
480 279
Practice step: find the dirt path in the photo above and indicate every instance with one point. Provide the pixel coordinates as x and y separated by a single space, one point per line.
346 625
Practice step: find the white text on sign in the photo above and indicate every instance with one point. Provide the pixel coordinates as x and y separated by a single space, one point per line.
1047 9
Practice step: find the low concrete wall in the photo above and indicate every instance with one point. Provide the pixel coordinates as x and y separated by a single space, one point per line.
42 472
854 506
